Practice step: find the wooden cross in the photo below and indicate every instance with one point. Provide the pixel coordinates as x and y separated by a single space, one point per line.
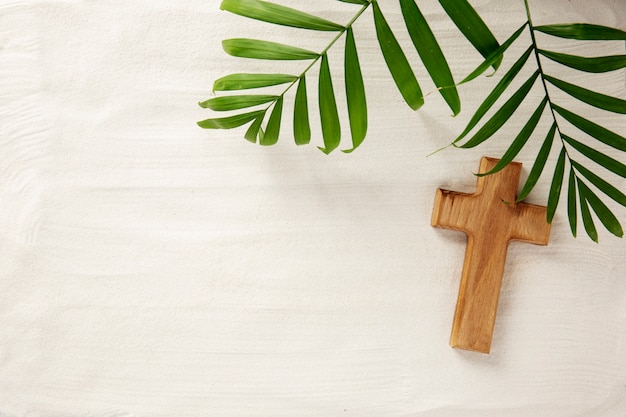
490 218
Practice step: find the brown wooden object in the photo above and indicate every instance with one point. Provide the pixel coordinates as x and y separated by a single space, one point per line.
490 218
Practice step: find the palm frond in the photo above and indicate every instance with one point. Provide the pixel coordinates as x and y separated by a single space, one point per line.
460 11
584 184
580 198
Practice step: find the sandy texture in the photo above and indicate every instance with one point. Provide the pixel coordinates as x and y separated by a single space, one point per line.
149 268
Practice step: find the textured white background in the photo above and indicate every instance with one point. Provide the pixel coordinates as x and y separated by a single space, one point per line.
150 268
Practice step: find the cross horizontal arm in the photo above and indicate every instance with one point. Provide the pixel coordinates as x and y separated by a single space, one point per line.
531 225
451 210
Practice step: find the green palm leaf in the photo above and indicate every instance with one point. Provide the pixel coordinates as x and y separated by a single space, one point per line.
590 227
362 2
272 130
431 54
595 64
236 102
253 131
540 163
605 215
600 133
598 157
277 14
495 93
231 121
397 62
520 140
571 203
601 184
301 125
247 81
473 28
502 115
582 31
254 48
494 56
331 129
555 186
355 93
601 101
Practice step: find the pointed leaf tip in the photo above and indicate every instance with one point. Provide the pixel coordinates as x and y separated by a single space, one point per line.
600 133
600 158
331 128
355 93
494 56
301 124
260 49
278 14
396 61
429 51
556 186
253 131
469 22
502 115
248 81
495 93
230 122
236 102
540 163
608 219
572 214
361 2
601 184
582 31
272 130
587 64
520 140
601 101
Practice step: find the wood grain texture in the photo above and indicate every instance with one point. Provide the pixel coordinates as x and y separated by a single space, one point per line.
491 219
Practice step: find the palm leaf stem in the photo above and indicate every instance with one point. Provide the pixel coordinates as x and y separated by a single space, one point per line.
564 149
323 52
543 80
576 170
541 73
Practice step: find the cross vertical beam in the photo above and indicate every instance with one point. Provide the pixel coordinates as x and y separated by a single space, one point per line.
491 219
